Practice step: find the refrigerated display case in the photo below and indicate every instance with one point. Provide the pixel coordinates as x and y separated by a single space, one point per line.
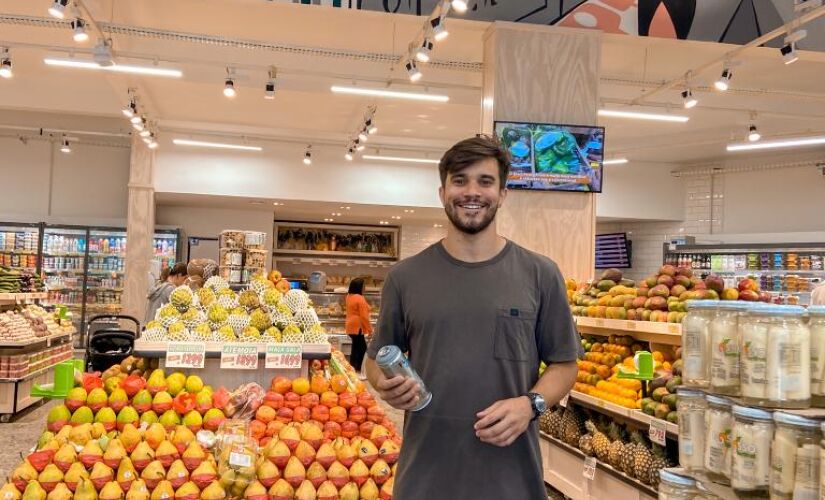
106 270
20 246
165 247
63 261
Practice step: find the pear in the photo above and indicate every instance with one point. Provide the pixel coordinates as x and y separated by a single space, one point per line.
359 472
316 474
65 457
163 491
188 491
193 421
379 434
142 402
111 491
204 475
142 455
115 452
380 472
162 402
182 437
305 453
175 383
349 492
149 418
338 474
256 491
58 417
126 474
138 491
46 437
23 474
50 476
108 418
312 433
90 454
96 399
267 473
10 492
177 474
76 398
81 434
203 402
153 474
325 455
118 399
214 491
367 452
281 490
98 431
369 491
100 475
154 435
212 419
34 491
327 491
386 489
129 437
279 454
294 472
128 415
73 476
345 453
170 419
62 437
156 382
290 436
306 491
389 451
82 415
85 490
193 455
166 453
60 492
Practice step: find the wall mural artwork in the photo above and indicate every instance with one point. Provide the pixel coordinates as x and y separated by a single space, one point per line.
725 21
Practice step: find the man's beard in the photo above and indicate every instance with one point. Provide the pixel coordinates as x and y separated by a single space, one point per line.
472 227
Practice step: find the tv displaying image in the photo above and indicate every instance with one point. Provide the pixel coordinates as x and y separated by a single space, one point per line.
548 157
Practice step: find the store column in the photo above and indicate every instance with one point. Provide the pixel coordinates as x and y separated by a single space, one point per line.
545 74
140 228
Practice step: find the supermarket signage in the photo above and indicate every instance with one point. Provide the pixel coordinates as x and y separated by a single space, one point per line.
658 431
284 356
589 471
185 354
239 356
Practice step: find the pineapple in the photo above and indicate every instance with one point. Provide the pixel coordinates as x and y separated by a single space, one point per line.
586 445
216 283
544 421
642 459
659 462
571 426
296 300
554 422
182 298
260 320
614 455
601 443
249 300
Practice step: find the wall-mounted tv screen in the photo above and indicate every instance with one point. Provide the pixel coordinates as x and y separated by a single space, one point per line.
613 250
548 157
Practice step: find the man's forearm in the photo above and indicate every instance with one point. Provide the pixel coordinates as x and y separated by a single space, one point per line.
556 382
371 370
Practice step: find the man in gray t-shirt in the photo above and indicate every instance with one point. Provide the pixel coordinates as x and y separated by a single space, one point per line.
476 314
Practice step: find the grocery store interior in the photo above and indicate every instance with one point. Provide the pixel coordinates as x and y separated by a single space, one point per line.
280 149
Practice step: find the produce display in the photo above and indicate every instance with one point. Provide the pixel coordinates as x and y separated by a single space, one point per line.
18 281
29 323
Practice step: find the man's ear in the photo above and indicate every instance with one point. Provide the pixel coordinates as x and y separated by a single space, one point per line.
502 197
441 194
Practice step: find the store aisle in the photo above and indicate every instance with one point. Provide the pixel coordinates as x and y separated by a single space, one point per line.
19 436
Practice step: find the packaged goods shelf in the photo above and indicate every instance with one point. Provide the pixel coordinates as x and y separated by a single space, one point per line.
663 333
14 298
634 415
745 272
32 374
48 339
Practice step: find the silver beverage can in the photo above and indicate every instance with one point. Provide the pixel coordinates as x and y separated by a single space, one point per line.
392 362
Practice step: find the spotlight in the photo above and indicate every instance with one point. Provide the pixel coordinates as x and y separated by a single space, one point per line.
80 35
229 88
308 156
362 135
359 146
688 99
129 110
422 53
135 118
789 55
153 145
723 82
371 128
349 154
459 6
5 64
412 71
139 125
439 28
58 8
145 133
753 134
65 148
269 92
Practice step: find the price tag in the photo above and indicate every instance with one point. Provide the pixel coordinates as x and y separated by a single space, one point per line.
240 459
239 356
589 471
563 401
658 431
185 354
673 328
284 356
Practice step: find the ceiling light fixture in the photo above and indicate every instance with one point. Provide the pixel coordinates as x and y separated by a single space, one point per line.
422 53
269 89
65 148
115 68
80 35
363 136
688 101
400 158
416 96
215 145
130 109
5 63
229 88
615 161
782 143
135 119
439 27
308 156
140 124
413 71
348 156
723 83
615 113
145 133
753 134
371 128
58 8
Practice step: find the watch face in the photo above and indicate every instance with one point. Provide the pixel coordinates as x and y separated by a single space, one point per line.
541 406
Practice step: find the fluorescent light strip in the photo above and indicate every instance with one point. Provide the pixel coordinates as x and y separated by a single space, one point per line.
216 145
416 96
783 143
399 158
643 116
116 68
615 161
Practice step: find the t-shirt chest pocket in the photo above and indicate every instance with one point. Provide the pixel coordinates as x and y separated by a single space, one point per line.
515 337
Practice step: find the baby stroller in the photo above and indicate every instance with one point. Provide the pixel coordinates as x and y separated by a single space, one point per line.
109 345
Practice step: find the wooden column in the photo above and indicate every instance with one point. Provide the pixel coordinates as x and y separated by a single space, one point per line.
545 74
140 229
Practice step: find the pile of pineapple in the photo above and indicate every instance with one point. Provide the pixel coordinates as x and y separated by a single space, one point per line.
259 314
625 449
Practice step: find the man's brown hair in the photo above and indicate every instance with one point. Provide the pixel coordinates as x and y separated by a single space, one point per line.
472 150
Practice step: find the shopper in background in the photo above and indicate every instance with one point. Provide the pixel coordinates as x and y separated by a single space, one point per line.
818 295
358 322
159 296
476 314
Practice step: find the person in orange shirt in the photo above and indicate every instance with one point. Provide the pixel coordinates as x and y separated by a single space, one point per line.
358 322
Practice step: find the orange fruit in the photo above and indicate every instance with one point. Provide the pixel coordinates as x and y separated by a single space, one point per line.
337 414
338 383
300 386
310 400
265 414
329 399
281 385
347 399
258 429
360 387
319 385
301 414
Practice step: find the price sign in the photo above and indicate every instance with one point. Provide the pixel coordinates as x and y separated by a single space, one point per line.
185 354
563 401
239 356
284 356
589 471
674 329
658 431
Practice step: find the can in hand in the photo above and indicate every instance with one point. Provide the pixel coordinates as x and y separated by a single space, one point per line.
392 362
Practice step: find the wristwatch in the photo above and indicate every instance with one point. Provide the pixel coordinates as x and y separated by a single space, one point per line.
538 404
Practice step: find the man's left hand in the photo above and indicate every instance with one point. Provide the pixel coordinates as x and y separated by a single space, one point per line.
504 421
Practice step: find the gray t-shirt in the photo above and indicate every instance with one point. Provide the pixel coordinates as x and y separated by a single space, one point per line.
475 333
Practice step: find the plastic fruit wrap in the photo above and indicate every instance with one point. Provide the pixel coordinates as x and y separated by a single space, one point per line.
229 432
236 465
244 401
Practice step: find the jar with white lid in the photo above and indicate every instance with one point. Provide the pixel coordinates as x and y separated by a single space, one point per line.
795 457
816 326
752 436
696 342
724 335
789 359
674 486
753 357
691 407
718 445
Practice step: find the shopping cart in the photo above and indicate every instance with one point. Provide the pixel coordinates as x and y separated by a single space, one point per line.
108 345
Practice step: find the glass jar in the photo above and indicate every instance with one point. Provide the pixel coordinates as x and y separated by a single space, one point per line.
691 407
752 436
696 342
703 493
816 326
753 359
724 338
795 458
718 451
673 486
789 360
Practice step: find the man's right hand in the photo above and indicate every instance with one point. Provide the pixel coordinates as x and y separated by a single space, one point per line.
399 392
